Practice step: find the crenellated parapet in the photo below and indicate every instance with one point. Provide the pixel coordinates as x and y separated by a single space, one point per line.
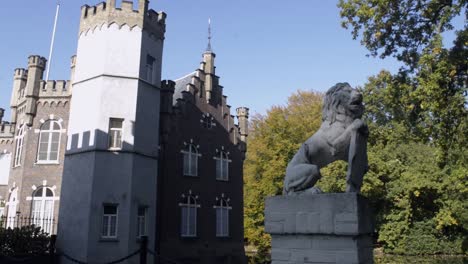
5 128
107 13
28 90
6 132
51 88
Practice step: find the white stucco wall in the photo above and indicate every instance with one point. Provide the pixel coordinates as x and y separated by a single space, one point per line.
108 50
107 84
5 162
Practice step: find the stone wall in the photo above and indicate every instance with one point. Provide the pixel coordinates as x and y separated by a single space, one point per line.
322 228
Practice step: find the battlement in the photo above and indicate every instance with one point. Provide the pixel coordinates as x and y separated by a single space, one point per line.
106 13
168 85
37 61
21 73
243 111
58 88
6 130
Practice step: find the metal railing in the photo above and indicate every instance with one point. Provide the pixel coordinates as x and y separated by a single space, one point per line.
47 225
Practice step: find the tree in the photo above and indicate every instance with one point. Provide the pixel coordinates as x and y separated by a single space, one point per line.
428 97
402 28
273 140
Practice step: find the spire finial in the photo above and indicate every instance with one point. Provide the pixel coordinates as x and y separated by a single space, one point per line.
209 35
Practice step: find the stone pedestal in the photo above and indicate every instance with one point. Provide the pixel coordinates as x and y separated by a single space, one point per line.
320 228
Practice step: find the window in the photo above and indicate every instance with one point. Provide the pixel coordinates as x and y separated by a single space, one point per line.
109 222
12 203
190 160
150 68
49 142
222 165
222 216
5 163
42 211
19 146
141 221
115 133
207 121
189 208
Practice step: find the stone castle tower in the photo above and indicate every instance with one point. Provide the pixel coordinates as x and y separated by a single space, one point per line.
113 132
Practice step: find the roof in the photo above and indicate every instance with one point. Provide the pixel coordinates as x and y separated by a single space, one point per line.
181 85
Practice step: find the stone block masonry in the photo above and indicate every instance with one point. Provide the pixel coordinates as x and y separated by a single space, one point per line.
321 228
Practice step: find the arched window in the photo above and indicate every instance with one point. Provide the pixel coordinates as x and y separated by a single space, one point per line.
190 159
42 211
19 146
222 216
12 203
49 142
189 208
222 165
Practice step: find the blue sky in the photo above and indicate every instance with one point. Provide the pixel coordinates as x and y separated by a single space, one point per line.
266 50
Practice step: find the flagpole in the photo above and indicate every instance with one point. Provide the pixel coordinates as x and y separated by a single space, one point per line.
52 41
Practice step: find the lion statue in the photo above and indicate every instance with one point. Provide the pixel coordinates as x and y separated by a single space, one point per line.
342 136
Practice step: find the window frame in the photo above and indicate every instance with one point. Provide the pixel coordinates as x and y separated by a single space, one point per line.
222 162
222 206
50 131
109 222
12 208
38 215
19 146
112 137
189 155
150 68
142 218
207 121
190 205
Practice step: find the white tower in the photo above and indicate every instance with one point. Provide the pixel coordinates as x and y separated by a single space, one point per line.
108 196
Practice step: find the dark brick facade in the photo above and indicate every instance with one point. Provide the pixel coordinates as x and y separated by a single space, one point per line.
182 122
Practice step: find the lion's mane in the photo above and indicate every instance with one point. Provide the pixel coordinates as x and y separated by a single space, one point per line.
337 95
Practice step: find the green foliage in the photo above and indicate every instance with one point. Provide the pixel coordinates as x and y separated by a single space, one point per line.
27 240
273 140
418 121
435 259
399 27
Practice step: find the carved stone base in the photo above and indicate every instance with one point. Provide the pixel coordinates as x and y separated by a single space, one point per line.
321 228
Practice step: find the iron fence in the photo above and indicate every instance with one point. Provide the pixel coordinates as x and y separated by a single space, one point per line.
47 225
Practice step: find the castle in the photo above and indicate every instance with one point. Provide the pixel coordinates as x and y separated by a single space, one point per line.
115 153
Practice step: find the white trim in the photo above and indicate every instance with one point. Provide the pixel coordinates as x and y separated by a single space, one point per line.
113 146
116 215
55 198
19 146
49 132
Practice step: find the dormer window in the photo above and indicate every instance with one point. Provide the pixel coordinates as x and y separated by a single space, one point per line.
207 121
